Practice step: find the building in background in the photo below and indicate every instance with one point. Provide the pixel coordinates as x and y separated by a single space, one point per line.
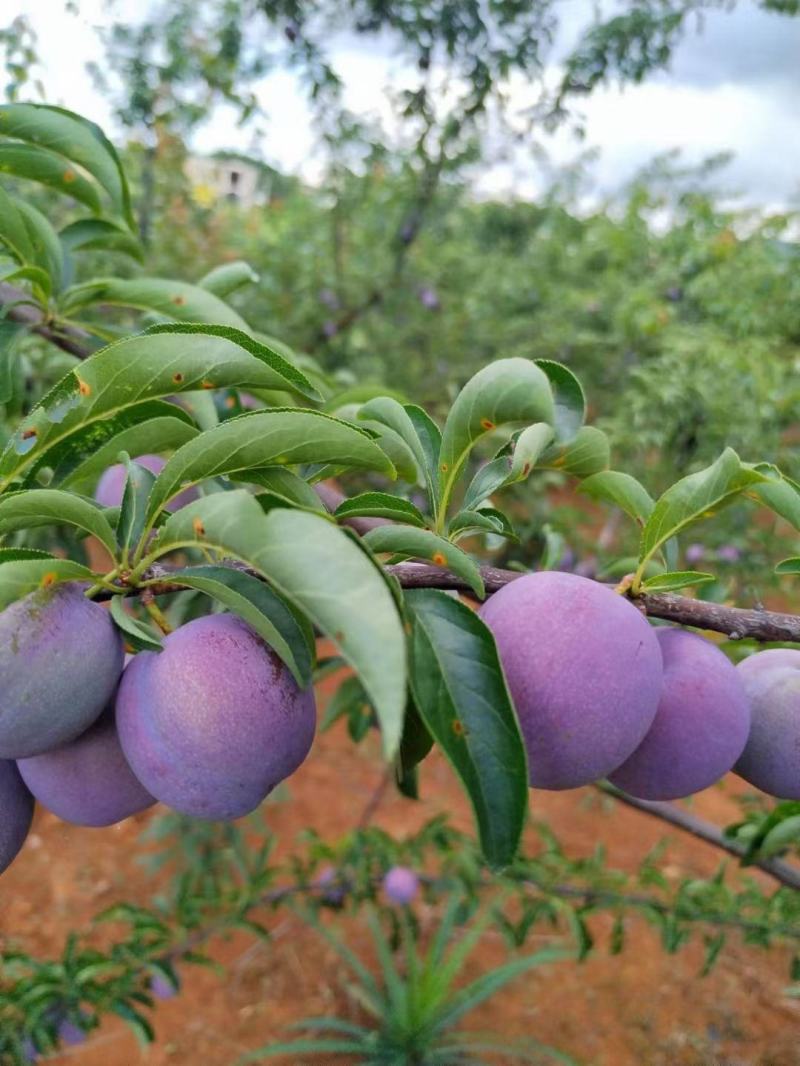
235 178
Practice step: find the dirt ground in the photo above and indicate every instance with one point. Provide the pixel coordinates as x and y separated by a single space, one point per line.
643 1008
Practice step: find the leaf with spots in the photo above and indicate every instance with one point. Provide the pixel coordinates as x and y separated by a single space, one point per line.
176 300
274 437
21 574
149 366
46 167
422 544
513 463
505 392
462 696
586 454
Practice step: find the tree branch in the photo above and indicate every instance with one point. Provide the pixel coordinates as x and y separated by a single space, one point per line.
784 872
22 310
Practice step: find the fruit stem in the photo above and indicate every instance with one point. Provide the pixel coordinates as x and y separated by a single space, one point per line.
149 603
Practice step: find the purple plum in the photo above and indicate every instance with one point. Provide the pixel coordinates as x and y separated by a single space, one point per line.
771 758
211 724
701 725
60 660
584 670
87 782
111 485
16 812
400 885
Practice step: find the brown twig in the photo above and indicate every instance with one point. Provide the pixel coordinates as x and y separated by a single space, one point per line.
22 310
784 872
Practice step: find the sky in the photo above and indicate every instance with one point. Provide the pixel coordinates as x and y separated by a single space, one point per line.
732 87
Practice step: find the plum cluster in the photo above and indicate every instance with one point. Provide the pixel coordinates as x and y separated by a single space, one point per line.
214 721
209 725
660 712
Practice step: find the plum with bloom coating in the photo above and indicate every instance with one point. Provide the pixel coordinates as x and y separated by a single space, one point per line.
701 725
60 660
400 885
584 670
16 812
88 781
211 724
771 757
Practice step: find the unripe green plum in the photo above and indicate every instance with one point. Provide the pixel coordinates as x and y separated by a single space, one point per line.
60 660
771 758
88 781
211 724
585 672
701 725
16 812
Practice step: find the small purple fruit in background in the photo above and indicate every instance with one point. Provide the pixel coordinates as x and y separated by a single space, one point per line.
88 781
695 553
701 725
111 485
585 672
16 813
161 988
771 758
60 660
329 328
729 553
329 298
429 298
400 885
213 722
71 1034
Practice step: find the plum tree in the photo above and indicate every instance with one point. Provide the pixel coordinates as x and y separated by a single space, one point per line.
701 725
111 485
213 722
60 660
16 812
584 669
771 757
88 781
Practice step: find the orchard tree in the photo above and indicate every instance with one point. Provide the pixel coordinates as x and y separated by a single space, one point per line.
195 454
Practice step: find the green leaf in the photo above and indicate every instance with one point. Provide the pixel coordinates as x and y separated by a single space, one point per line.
160 362
133 509
74 137
784 835
777 492
415 745
695 497
506 391
47 168
486 520
623 491
586 454
13 231
262 609
513 463
101 234
569 397
137 635
461 693
380 505
430 437
389 413
676 579
422 544
20 575
9 334
282 485
176 300
263 438
149 428
47 252
33 508
228 277
325 573
788 566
